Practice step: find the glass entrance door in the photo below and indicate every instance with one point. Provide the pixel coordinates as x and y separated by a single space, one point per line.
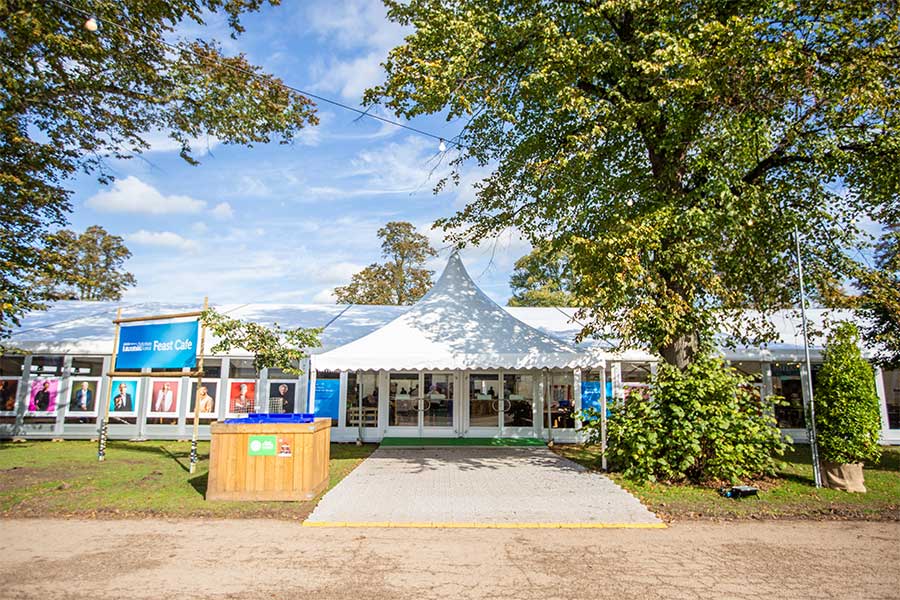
421 404
518 405
485 405
500 404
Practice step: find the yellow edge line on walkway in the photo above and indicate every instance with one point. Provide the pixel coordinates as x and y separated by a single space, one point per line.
438 525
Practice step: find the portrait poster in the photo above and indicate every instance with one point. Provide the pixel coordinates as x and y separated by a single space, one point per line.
281 396
8 394
123 402
163 401
44 396
242 396
209 392
83 397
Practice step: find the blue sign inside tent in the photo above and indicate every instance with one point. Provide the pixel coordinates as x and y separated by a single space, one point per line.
591 395
158 346
328 396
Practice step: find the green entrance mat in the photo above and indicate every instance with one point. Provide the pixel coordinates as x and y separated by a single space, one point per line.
419 442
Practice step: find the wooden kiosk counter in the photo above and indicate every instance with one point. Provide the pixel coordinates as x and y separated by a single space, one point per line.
269 461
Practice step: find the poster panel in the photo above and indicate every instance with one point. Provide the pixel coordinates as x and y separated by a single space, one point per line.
164 398
123 402
8 394
209 391
44 397
281 396
242 397
83 397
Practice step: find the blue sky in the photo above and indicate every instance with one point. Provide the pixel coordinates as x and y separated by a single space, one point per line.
288 223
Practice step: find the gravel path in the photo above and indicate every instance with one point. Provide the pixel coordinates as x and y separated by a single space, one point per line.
252 560
477 485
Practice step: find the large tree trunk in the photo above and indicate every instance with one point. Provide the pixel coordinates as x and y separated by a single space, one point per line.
681 351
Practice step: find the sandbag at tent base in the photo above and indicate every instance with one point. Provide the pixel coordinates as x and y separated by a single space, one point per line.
847 477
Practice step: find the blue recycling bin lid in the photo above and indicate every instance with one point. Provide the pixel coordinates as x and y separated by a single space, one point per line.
273 418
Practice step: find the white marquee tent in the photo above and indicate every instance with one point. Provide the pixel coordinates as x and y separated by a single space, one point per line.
455 326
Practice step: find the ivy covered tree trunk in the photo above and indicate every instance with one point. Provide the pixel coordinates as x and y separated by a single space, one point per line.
681 352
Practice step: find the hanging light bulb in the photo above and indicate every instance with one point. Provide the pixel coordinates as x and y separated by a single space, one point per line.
629 202
442 146
91 24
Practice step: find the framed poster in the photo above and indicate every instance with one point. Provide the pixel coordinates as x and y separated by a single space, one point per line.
241 397
208 393
123 402
44 397
163 401
83 397
9 389
282 395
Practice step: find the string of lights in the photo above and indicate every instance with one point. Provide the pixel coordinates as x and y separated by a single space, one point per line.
92 23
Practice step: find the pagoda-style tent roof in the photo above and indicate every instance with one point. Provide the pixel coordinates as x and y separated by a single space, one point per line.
454 326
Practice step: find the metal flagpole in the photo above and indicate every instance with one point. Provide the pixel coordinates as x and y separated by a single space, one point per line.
808 403
104 424
199 385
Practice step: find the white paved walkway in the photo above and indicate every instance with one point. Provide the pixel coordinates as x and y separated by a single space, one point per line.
477 486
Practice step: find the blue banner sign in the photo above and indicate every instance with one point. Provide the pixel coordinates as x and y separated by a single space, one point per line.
590 395
328 396
158 346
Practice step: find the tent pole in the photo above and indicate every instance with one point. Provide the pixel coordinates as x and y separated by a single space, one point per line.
104 424
199 385
548 399
359 388
603 404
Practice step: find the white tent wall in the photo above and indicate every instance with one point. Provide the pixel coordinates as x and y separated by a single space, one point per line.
456 327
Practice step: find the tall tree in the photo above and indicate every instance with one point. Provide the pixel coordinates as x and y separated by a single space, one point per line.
403 279
541 278
673 146
880 299
71 98
85 267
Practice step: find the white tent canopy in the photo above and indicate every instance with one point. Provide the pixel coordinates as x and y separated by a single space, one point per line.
454 326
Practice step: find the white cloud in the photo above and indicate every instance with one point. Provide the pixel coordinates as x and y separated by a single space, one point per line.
253 186
131 195
164 239
361 28
160 141
412 165
222 211
350 78
353 23
326 296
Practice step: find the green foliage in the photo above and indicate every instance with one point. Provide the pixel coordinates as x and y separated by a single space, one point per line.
84 267
848 413
880 301
672 146
700 424
271 346
402 279
70 99
541 278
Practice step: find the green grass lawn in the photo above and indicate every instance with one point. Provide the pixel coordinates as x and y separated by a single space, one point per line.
143 479
792 495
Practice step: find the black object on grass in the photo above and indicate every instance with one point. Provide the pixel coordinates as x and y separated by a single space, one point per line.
738 491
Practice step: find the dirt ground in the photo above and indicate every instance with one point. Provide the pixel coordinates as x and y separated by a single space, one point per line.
275 559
